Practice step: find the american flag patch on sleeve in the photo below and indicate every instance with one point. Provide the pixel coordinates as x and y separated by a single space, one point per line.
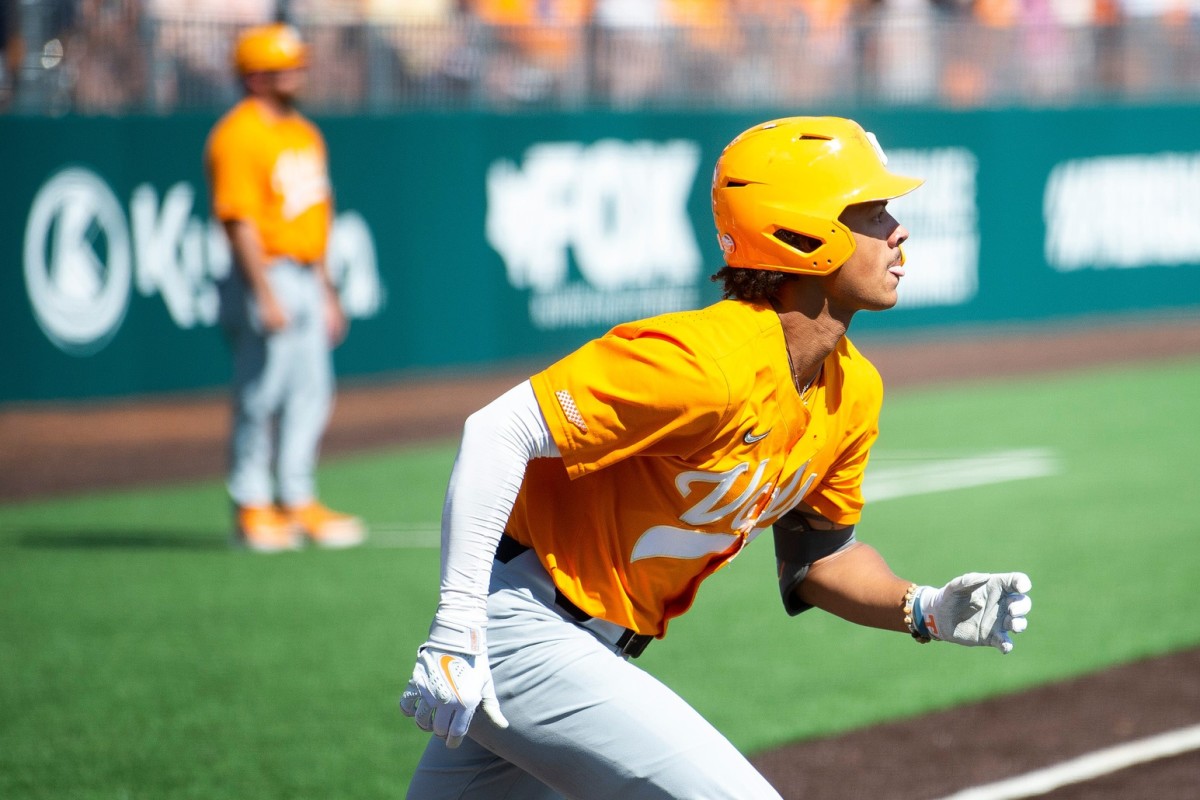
571 410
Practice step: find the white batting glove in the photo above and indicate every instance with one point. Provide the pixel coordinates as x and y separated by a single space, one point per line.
975 609
450 680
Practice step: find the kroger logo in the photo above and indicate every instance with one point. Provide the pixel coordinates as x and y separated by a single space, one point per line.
83 255
597 233
78 263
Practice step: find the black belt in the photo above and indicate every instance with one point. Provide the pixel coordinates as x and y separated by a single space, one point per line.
630 643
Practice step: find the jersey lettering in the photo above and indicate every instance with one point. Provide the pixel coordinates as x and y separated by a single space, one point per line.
300 179
706 511
664 541
791 494
759 500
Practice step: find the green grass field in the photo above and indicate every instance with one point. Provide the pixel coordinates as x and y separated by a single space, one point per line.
140 657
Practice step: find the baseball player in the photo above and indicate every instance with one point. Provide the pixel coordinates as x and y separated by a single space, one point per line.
269 184
587 504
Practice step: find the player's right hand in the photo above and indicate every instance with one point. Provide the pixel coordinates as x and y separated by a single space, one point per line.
271 315
449 683
977 609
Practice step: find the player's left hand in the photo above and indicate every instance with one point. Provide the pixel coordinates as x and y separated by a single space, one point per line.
977 609
448 685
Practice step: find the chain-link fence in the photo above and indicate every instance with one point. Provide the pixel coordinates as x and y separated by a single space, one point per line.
119 56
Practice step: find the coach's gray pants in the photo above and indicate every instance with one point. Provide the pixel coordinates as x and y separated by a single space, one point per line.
583 722
283 379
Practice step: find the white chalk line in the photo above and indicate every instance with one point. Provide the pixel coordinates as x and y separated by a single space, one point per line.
421 536
893 476
1087 767
907 476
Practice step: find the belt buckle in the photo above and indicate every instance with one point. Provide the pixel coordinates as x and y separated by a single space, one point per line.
632 644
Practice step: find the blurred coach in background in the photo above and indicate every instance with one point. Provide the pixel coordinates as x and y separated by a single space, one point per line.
269 183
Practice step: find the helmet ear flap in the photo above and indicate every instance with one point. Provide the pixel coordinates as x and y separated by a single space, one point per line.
807 253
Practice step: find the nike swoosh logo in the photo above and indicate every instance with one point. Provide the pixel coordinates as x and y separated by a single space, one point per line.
752 438
445 663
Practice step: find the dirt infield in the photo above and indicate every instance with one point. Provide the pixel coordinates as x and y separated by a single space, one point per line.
938 754
56 449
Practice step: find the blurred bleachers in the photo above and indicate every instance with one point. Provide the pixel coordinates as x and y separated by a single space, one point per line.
385 56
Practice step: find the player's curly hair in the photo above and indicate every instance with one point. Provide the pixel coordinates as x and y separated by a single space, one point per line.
742 283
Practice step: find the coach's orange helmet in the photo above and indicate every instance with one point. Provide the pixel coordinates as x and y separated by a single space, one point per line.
269 48
779 188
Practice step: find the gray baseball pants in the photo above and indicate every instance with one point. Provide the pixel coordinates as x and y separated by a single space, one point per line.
583 721
283 379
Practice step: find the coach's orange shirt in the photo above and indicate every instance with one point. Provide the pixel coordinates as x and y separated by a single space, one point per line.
682 438
273 173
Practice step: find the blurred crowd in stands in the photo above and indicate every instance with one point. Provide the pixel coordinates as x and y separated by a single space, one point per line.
161 56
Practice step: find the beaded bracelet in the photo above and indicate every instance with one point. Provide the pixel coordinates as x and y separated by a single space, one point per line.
910 599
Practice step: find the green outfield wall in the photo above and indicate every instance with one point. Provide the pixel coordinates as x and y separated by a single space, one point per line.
464 240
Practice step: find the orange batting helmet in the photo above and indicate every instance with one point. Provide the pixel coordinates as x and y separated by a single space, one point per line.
269 48
797 175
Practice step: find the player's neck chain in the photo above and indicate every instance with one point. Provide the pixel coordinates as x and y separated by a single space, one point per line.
803 390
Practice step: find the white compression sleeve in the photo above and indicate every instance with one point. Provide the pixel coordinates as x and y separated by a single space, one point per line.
497 443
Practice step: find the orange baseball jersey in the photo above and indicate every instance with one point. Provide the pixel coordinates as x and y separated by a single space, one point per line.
682 438
273 173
